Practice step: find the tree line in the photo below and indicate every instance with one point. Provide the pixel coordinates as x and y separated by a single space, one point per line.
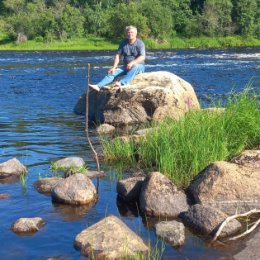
49 20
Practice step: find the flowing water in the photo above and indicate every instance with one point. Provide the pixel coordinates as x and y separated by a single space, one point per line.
38 91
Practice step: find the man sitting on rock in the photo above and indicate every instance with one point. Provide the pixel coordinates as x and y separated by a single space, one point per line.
133 51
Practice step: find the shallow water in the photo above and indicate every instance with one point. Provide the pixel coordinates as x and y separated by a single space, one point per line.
38 91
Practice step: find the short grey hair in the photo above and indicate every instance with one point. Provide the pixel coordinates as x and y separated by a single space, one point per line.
129 27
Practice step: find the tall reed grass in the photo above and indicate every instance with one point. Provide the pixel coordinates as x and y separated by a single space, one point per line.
181 149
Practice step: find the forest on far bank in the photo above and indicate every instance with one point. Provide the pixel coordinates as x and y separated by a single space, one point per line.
48 20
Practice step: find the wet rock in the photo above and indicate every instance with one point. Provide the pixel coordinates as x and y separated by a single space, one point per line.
46 185
151 96
70 163
77 189
251 250
145 131
249 158
4 196
160 197
105 129
129 189
95 174
12 168
88 173
171 231
27 225
227 186
129 138
111 239
206 220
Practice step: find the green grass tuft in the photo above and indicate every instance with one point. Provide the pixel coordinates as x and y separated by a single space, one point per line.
181 149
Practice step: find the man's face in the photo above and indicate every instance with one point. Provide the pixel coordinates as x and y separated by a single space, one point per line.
131 34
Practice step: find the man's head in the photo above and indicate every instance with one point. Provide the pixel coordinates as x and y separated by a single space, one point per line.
131 32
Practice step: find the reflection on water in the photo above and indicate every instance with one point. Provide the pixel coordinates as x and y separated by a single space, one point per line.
72 212
38 91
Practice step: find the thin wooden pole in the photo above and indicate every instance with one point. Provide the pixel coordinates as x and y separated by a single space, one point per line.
86 127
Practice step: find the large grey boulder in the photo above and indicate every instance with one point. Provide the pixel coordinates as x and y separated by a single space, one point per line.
151 96
111 239
77 189
12 168
206 220
171 231
160 197
27 225
227 186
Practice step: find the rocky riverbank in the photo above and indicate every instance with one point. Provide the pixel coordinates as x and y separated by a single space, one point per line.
221 183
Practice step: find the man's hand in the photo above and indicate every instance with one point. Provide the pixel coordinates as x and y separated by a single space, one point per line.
130 65
111 70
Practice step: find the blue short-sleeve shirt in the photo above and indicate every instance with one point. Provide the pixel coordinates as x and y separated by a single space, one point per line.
131 51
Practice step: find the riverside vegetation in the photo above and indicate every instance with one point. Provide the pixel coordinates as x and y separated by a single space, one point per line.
99 24
181 149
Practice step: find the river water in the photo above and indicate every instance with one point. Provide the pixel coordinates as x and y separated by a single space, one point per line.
38 91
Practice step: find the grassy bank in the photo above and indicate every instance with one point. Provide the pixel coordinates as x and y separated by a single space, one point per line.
97 43
180 149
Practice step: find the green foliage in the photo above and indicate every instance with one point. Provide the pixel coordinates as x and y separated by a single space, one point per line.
115 150
215 19
159 18
52 20
245 16
96 20
57 168
123 15
181 149
36 19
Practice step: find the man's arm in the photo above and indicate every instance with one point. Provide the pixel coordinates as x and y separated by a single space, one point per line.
115 64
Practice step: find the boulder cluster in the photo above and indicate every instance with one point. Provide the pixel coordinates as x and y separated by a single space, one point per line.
220 190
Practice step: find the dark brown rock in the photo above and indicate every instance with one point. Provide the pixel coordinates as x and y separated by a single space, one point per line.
129 189
160 197
206 220
27 225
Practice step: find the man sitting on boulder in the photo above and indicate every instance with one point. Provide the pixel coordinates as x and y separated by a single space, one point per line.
132 50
